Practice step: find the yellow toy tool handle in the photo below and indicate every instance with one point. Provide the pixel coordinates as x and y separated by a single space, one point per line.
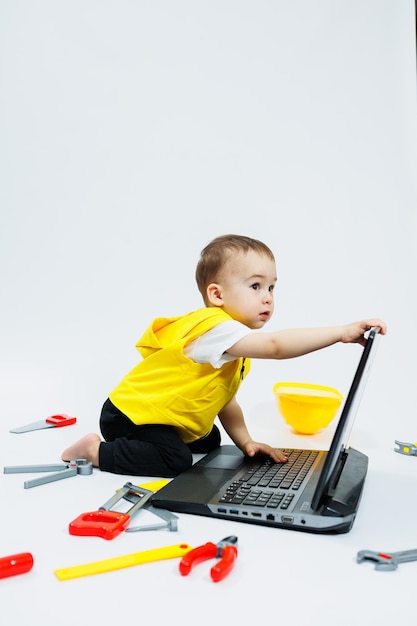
119 562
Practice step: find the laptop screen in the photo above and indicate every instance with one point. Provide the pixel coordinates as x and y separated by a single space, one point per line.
335 455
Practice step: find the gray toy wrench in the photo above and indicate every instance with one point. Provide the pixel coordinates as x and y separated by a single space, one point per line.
386 561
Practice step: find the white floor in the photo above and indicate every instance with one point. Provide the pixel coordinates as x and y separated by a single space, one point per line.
292 574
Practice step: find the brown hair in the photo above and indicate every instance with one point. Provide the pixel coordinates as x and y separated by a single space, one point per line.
214 256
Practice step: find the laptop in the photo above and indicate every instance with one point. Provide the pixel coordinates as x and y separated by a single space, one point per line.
317 491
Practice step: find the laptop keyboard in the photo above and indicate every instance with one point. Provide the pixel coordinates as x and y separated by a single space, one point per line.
271 485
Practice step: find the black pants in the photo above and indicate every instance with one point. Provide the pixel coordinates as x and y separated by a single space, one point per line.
150 450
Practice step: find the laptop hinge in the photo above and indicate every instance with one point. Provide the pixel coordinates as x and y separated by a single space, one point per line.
349 480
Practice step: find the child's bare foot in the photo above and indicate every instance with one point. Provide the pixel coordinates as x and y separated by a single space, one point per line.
85 448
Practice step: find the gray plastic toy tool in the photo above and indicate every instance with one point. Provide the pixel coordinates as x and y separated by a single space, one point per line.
409 449
54 421
386 561
60 471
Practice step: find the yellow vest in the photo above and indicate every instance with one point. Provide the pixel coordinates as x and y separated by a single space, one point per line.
167 387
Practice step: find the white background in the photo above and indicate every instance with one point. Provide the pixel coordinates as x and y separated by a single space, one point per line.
132 133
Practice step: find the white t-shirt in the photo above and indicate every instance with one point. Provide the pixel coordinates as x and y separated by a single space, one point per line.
213 345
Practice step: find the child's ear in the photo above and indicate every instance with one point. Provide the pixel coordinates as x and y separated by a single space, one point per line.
214 294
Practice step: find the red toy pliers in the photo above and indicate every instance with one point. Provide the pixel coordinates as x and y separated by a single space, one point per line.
225 550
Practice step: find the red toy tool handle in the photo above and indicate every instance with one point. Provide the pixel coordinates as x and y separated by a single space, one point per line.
61 420
225 565
101 523
202 553
15 564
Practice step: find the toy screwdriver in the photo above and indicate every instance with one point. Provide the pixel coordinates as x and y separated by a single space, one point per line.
225 550
15 564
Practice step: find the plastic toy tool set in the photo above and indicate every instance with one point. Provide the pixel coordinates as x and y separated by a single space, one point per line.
225 551
108 523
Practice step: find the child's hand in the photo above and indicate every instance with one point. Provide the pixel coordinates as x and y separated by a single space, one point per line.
250 448
354 333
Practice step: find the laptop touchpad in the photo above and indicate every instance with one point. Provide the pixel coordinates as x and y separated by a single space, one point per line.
225 461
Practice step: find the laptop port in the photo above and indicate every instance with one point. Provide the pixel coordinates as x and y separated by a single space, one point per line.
234 512
257 514
287 519
270 518
221 510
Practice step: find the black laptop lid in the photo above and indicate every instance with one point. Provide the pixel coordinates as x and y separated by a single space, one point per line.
350 407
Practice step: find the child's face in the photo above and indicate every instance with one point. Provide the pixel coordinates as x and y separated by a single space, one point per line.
245 290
